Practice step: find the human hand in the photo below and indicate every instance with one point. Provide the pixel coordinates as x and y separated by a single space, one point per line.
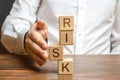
35 42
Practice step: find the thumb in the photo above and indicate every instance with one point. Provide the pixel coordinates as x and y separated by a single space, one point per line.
41 25
42 28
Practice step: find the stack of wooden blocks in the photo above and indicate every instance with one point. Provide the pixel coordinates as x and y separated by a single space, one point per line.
65 65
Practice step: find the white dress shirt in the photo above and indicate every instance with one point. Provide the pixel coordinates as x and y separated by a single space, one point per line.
96 28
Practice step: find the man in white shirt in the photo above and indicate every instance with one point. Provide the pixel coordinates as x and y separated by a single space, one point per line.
96 31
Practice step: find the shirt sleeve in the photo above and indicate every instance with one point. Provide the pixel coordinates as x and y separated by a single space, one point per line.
115 37
17 23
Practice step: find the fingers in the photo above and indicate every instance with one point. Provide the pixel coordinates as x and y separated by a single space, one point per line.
38 39
35 43
36 58
38 36
36 52
42 27
36 49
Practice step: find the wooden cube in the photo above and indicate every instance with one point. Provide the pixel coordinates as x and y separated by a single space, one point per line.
65 66
56 52
65 77
66 38
66 22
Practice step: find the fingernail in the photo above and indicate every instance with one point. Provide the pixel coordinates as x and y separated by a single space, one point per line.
45 46
45 55
40 24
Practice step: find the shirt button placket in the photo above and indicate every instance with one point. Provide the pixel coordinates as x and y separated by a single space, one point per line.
80 26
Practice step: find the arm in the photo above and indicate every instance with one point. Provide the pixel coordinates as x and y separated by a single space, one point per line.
17 23
115 37
19 31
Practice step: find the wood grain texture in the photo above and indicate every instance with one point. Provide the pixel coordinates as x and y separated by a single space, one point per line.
2 48
86 67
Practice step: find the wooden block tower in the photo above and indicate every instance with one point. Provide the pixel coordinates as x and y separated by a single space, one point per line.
65 65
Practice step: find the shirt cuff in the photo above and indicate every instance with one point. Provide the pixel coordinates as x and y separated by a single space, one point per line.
21 36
